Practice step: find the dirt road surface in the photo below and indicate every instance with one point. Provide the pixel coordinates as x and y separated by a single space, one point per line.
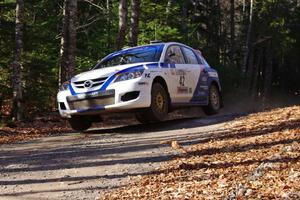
80 166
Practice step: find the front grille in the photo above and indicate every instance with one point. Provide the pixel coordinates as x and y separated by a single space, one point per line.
91 103
95 82
91 100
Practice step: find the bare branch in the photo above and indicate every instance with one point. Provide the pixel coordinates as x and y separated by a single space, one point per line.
88 24
93 4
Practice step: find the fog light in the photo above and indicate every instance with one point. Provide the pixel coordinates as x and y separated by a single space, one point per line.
62 106
130 96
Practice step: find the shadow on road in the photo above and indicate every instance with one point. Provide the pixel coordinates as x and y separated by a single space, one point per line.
175 124
73 155
105 147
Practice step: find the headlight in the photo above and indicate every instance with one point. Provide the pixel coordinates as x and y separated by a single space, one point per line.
64 86
130 74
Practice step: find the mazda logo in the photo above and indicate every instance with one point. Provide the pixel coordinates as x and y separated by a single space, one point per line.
88 84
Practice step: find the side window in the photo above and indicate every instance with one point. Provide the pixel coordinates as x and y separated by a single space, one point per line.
204 62
174 55
190 56
199 57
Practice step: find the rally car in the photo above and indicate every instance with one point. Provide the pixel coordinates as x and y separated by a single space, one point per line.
149 80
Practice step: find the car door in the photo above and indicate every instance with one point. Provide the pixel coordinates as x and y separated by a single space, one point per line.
200 94
178 75
194 67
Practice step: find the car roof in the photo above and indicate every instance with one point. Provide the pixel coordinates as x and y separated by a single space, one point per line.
159 43
151 44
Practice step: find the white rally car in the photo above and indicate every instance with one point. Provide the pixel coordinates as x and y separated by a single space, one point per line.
150 80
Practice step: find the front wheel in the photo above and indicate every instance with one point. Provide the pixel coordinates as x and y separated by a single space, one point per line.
158 109
80 123
214 104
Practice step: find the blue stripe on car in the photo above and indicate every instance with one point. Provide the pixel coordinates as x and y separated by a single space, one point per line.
152 65
72 90
164 65
172 65
108 81
201 93
112 78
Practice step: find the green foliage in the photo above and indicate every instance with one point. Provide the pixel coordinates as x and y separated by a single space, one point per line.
202 25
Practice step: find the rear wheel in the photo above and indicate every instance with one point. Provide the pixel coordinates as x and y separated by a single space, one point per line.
158 109
80 123
213 106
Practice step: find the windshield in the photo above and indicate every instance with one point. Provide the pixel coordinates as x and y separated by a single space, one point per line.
149 53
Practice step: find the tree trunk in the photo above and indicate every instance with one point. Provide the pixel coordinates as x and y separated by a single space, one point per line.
184 25
72 38
122 24
63 46
232 31
108 21
248 39
255 72
17 109
1 102
268 73
134 29
68 40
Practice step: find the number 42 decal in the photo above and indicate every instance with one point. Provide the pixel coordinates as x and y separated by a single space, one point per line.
181 80
147 75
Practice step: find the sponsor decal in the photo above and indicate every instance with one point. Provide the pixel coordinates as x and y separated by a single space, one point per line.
205 87
204 79
143 83
213 74
147 75
182 90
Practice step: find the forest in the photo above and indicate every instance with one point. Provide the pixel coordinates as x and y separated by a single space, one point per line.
254 44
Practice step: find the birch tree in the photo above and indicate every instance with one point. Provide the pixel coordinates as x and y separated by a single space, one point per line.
248 39
122 24
68 40
17 109
232 30
134 28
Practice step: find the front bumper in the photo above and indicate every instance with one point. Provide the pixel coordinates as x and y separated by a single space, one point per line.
110 100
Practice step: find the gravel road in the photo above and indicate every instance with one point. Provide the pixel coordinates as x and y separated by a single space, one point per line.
80 166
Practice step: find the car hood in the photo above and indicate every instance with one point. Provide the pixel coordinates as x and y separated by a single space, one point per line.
103 72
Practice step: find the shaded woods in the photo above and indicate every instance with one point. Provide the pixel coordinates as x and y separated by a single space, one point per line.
255 45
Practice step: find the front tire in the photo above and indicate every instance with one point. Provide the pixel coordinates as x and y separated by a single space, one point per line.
158 109
214 102
80 123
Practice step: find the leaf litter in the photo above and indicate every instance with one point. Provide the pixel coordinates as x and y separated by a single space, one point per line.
255 157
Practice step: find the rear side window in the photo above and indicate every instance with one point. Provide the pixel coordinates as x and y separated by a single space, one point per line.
190 56
174 55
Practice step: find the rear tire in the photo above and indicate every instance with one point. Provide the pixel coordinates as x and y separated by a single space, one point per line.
80 123
214 102
158 109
